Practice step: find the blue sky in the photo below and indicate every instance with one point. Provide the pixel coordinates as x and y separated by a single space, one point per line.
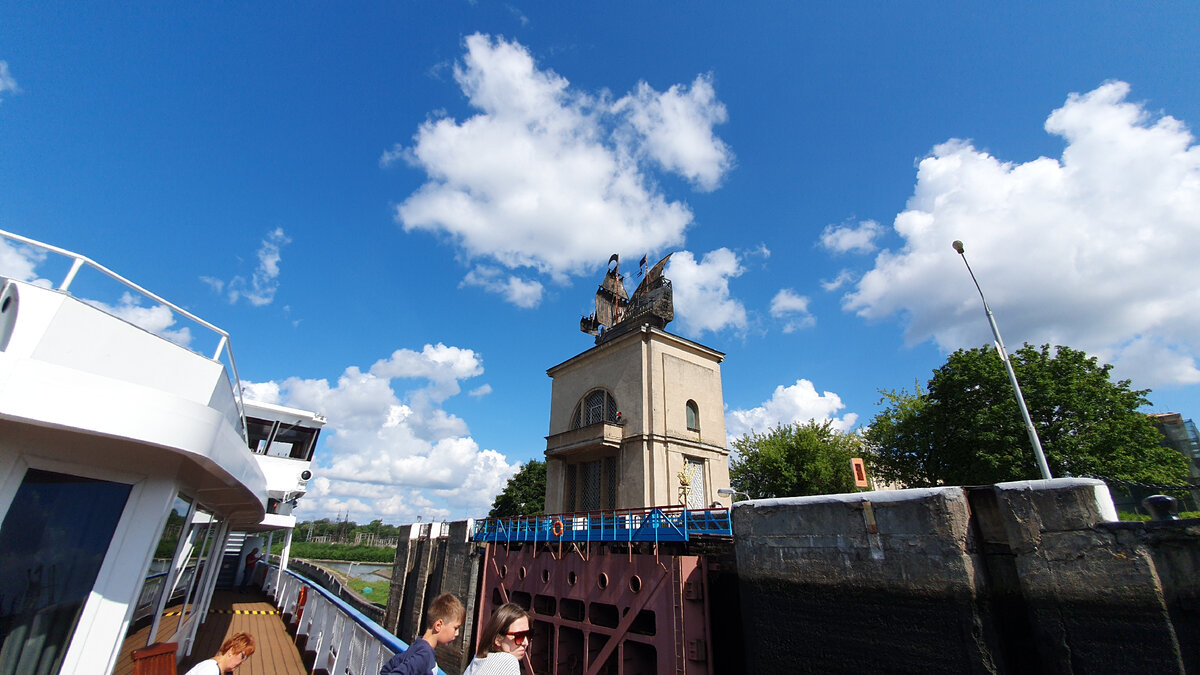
400 210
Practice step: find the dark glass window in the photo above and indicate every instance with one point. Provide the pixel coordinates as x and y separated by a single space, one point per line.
293 441
52 543
281 440
693 416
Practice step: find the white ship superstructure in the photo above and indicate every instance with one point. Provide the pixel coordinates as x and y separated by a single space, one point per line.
130 467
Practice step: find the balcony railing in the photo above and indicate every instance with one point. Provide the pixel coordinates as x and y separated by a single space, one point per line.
657 524
344 639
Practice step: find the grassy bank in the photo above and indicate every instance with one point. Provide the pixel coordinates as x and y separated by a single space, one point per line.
314 551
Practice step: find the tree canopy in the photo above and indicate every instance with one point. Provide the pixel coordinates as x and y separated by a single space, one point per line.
524 494
794 460
966 428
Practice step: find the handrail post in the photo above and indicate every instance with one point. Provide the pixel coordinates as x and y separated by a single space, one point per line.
66 282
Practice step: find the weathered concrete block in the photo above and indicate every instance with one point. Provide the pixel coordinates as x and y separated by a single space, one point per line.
869 581
1091 592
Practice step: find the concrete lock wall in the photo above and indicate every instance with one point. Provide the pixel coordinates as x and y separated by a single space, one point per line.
435 558
1017 577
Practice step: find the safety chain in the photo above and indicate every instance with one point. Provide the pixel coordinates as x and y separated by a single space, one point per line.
1147 486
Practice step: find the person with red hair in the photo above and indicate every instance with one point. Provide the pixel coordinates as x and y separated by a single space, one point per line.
234 651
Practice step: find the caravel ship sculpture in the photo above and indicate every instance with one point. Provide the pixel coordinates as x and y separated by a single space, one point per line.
616 313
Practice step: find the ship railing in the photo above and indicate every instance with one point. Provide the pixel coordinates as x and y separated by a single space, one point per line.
343 639
223 353
655 524
153 587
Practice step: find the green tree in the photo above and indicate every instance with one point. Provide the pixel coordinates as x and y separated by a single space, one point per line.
524 494
967 428
794 460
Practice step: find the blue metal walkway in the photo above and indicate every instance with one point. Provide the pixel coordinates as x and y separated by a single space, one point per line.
658 524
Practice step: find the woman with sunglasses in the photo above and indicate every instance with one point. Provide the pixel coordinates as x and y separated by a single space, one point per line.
502 643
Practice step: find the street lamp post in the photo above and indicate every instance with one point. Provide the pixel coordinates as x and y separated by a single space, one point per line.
1012 376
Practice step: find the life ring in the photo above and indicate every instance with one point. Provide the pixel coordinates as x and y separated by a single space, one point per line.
557 528
300 600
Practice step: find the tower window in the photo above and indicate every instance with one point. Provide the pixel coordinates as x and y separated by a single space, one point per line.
693 416
597 406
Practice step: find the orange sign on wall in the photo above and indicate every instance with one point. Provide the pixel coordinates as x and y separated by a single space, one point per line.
860 472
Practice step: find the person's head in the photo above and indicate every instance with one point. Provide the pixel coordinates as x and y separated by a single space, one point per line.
444 617
506 631
234 651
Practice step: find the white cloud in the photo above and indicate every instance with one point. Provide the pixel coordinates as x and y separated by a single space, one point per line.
553 179
701 291
676 129
480 391
852 238
794 308
264 282
799 402
157 319
7 82
1095 250
523 293
844 277
391 452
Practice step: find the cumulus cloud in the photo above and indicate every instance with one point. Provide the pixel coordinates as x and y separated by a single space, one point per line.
545 177
676 129
799 402
793 308
7 82
264 281
1095 249
389 449
523 293
701 291
858 238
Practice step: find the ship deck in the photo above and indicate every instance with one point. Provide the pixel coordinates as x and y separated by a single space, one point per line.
229 613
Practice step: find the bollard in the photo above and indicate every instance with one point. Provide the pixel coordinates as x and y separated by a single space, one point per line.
1160 507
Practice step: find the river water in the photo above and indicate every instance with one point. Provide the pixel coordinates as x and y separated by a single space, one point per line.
360 570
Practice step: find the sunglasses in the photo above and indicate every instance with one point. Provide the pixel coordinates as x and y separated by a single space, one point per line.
520 636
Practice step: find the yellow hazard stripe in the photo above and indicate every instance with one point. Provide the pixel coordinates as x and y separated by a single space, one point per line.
231 611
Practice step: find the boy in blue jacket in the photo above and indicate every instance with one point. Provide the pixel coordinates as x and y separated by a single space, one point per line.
442 621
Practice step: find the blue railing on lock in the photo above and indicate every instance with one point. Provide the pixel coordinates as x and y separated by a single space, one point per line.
656 524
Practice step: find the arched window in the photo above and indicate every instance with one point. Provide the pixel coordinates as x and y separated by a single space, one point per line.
693 416
596 406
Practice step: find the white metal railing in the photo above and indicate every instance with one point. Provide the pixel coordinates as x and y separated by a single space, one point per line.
79 261
344 639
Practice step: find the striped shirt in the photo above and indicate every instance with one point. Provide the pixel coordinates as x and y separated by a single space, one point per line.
495 663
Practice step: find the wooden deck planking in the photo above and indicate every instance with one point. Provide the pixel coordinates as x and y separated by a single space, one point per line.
229 613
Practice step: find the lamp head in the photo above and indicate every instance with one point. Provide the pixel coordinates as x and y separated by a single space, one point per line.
958 246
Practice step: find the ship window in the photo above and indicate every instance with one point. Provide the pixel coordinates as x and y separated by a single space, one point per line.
279 439
52 542
693 416
258 433
597 406
294 441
